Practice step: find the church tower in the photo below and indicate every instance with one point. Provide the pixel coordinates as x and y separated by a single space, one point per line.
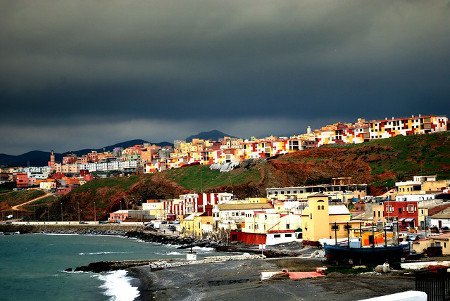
51 163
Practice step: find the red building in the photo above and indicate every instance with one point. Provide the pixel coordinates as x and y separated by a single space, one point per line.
22 180
405 212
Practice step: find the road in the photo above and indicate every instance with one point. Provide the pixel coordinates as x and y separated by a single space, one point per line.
16 207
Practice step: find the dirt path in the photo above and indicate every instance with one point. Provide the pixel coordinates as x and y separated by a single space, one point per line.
16 207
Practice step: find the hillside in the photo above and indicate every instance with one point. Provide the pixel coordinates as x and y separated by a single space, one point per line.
12 198
378 163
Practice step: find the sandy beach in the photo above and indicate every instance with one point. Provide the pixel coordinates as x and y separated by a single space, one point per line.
241 280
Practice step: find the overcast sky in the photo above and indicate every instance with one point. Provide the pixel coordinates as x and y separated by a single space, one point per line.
81 74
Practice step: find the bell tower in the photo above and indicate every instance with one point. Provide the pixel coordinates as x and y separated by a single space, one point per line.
51 163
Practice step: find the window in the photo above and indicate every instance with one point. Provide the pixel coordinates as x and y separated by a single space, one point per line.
288 235
399 210
379 213
323 207
288 226
318 207
277 236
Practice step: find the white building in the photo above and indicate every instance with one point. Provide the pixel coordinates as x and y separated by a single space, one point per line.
231 216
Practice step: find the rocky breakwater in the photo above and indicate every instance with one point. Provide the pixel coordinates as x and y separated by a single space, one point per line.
183 242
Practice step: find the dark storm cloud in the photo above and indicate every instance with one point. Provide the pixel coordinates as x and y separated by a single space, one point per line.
85 67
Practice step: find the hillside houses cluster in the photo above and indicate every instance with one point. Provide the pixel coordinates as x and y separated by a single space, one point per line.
319 213
228 152
234 150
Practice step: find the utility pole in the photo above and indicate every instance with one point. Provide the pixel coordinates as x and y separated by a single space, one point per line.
425 225
62 217
79 217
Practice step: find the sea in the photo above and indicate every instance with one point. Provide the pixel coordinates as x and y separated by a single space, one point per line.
32 266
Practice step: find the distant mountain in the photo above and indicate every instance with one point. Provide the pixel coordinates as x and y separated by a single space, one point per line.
108 148
211 135
40 158
33 158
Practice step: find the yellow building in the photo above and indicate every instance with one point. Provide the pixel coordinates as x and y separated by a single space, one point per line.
421 185
378 213
203 224
196 225
187 224
437 241
249 201
319 218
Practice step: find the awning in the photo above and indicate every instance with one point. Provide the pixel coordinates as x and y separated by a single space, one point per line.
408 220
401 220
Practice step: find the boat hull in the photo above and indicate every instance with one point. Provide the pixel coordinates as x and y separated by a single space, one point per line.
366 256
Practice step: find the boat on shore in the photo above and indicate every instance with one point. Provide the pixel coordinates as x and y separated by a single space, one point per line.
365 255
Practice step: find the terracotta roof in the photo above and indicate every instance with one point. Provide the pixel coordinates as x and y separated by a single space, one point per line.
438 209
441 215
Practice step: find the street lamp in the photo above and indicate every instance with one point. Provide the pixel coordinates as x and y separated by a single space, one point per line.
62 217
335 227
348 227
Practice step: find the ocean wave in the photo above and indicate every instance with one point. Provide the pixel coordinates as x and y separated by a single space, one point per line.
117 286
101 253
58 234
75 272
174 253
203 249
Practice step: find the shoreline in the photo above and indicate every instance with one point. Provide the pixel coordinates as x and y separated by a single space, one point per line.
228 278
139 232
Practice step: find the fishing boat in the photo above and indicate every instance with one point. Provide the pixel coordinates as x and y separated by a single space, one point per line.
365 255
